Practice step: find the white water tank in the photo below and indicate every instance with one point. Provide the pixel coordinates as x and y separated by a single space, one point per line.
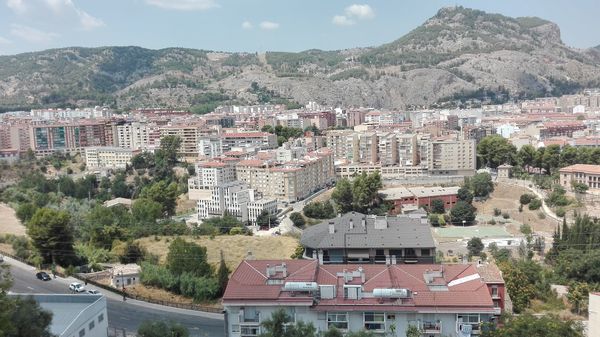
391 293
300 286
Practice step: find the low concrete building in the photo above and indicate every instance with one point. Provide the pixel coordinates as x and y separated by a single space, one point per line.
359 238
75 315
580 173
107 157
403 198
124 275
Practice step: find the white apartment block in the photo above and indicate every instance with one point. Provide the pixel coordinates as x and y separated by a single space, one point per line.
208 175
388 149
407 149
262 140
107 157
236 199
340 142
288 152
210 146
452 157
135 136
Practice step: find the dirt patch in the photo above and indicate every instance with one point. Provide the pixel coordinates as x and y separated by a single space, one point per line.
325 196
10 224
235 247
185 205
163 295
506 198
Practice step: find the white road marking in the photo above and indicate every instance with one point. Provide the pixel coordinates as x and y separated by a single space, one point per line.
30 288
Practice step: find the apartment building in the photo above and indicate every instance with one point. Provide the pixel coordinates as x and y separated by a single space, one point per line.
450 157
262 140
387 172
581 173
440 300
107 157
210 146
189 135
559 129
358 238
365 148
236 199
46 139
407 149
290 181
210 174
340 142
137 136
387 147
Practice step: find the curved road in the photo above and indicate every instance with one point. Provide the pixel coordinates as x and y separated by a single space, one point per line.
125 316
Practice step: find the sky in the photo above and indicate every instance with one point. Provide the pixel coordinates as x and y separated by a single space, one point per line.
255 25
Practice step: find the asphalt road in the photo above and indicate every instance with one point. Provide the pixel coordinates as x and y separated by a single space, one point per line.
121 315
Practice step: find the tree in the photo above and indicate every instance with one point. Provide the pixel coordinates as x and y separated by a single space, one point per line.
437 206
525 198
528 325
475 246
297 219
333 332
551 158
163 193
526 156
223 224
276 326
482 184
188 257
578 296
342 195
27 318
413 331
25 211
146 211
493 151
222 275
266 219
52 236
465 194
161 329
579 187
462 211
169 149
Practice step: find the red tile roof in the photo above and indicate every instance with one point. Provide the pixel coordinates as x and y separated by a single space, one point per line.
249 284
245 134
582 168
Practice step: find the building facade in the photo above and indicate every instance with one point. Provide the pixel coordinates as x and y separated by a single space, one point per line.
440 300
107 157
580 173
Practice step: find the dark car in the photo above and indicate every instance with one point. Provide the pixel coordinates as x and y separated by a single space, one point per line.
43 276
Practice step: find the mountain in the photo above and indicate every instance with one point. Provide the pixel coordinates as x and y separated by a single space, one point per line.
457 54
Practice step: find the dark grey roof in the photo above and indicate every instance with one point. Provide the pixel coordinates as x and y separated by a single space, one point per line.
402 231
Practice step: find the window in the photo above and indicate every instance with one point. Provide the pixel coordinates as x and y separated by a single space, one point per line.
91 325
100 318
338 320
374 321
81 332
468 318
494 291
425 252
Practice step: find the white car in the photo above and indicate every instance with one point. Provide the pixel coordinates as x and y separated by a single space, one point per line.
93 292
77 287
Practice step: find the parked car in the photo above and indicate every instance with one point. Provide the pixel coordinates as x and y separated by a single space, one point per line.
43 276
93 292
77 287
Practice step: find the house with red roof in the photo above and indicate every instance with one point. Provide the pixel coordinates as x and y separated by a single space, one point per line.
441 300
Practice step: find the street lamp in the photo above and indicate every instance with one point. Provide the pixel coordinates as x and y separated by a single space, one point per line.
123 286
464 222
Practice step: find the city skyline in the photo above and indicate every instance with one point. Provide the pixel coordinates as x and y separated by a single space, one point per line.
251 26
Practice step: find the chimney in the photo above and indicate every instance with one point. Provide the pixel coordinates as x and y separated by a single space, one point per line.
362 274
331 227
364 221
268 270
351 224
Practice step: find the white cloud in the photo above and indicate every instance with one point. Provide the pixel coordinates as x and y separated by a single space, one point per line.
247 25
352 14
342 20
30 34
268 25
361 12
4 40
87 21
184 5
18 6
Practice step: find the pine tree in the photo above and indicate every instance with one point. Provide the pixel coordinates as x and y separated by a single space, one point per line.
222 275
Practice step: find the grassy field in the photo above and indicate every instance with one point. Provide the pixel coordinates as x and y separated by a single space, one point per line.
234 247
10 224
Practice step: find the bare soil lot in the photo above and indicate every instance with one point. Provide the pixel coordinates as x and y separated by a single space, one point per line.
9 223
235 247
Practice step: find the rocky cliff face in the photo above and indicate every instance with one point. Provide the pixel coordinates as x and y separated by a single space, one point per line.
458 53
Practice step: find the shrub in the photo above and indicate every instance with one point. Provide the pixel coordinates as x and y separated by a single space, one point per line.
525 198
525 229
497 211
492 222
541 215
535 204
561 212
236 231
520 208
505 215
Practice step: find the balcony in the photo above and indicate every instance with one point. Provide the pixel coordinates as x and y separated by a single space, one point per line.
249 330
433 327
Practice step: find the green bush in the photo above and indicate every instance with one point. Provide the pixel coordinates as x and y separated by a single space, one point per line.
188 285
505 215
541 215
535 204
561 212
497 211
526 198
525 229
